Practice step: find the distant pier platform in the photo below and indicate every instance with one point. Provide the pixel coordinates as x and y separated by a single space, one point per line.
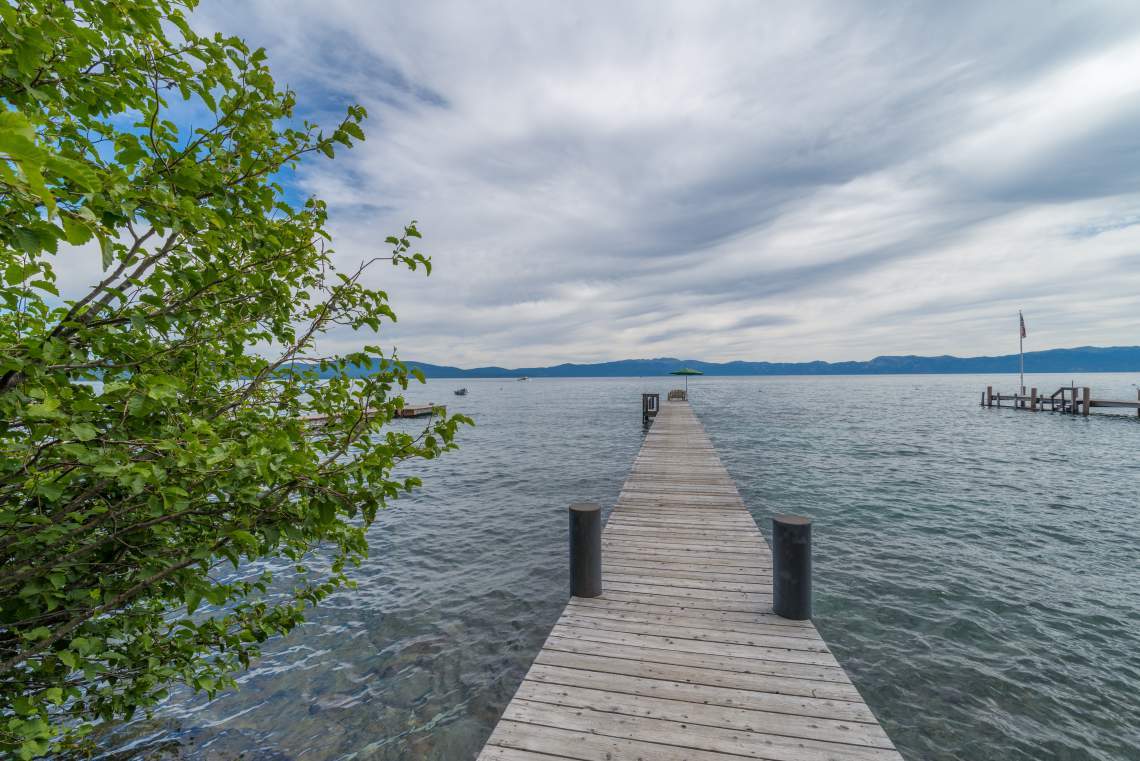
675 652
421 410
1070 400
411 410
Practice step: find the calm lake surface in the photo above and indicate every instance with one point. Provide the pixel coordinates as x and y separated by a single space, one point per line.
977 571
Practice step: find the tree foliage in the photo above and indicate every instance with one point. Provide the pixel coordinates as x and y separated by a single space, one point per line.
151 431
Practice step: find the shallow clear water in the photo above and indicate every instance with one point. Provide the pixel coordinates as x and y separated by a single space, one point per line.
977 571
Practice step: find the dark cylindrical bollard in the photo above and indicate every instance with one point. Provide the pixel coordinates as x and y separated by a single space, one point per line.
791 566
585 549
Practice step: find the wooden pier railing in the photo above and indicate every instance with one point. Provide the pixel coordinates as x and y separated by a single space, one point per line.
681 656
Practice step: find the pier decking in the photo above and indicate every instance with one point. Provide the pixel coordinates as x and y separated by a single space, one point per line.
681 658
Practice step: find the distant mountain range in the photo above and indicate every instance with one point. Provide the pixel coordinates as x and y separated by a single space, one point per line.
1084 359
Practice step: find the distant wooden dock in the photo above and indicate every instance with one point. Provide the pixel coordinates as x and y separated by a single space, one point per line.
681 658
421 410
411 410
1070 400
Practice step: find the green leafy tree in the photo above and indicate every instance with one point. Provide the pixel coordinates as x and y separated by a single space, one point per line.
152 430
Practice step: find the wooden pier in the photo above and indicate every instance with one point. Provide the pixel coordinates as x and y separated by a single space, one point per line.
681 657
421 410
1070 400
411 410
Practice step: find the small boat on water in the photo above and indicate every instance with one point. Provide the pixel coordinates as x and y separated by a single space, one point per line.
461 392
523 377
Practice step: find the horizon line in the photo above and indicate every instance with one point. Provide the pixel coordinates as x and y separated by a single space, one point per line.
768 361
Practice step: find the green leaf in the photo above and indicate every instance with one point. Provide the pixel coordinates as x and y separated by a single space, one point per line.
108 251
44 285
76 232
353 129
79 173
131 155
36 184
14 273
28 241
22 149
47 409
244 538
193 598
83 431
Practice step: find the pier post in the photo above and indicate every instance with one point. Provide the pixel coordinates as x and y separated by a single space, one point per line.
791 567
1085 394
989 396
585 549
1033 399
1138 399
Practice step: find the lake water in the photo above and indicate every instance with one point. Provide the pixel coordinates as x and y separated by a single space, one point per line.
977 571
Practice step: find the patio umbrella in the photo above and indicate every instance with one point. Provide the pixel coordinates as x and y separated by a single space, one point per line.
686 371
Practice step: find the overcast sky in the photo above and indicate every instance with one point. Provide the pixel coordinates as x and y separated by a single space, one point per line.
601 180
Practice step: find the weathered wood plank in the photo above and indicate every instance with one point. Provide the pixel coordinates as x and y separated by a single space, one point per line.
583 746
664 570
763 745
700 712
608 603
706 693
677 631
665 618
779 684
652 642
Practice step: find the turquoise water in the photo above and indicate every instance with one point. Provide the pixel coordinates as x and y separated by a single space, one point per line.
977 571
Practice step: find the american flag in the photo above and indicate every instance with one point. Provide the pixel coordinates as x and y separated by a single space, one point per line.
1022 324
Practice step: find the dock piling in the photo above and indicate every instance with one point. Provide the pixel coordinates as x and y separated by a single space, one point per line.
791 567
585 549
1085 396
1033 399
989 396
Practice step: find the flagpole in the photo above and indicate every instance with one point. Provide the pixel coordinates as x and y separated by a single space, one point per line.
1021 349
